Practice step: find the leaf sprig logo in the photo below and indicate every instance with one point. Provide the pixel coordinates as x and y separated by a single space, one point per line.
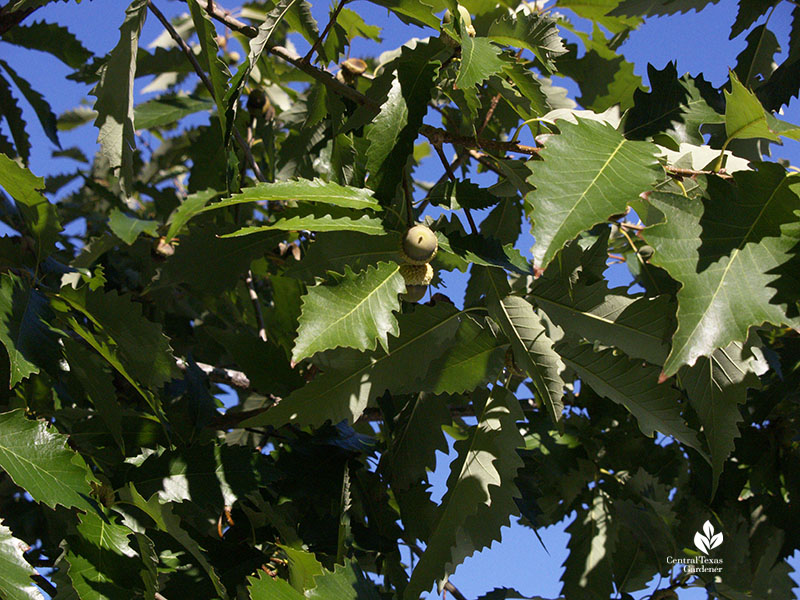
707 540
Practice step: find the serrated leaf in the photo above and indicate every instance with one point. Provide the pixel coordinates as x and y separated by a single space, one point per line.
15 572
756 63
416 437
414 12
480 59
40 106
744 116
190 206
649 8
40 216
129 228
102 564
10 110
52 38
139 343
166 521
317 220
167 110
303 190
344 392
209 475
600 11
716 385
533 31
37 458
634 385
533 350
24 330
75 117
589 173
588 568
356 312
475 358
335 251
480 492
724 266
640 327
346 582
264 587
461 194
114 93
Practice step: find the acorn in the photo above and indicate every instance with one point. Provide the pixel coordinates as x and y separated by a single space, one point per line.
351 70
417 278
414 293
419 245
258 104
646 252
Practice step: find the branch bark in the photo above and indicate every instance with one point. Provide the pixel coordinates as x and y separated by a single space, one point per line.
437 135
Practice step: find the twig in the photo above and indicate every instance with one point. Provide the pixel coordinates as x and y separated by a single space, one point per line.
481 158
158 596
439 136
251 288
680 173
321 37
206 81
45 585
219 374
489 113
321 75
440 153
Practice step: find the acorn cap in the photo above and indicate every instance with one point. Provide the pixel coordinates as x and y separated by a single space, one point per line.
419 245
417 274
356 66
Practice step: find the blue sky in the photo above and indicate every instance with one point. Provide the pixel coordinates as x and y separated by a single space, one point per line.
698 42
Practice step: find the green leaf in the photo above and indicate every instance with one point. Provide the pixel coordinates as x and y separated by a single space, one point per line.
650 8
102 564
716 385
122 335
15 572
167 110
191 205
640 327
335 251
749 12
416 436
10 110
52 38
40 216
533 31
600 11
744 116
39 460
589 173
343 392
166 521
265 587
114 93
588 569
634 385
475 358
303 190
533 350
480 491
318 220
209 475
128 228
29 342
756 62
456 195
76 117
722 251
480 59
40 106
211 62
415 12
354 313
346 582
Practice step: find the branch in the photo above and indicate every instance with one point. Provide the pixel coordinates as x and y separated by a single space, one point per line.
219 374
681 173
439 136
321 75
251 288
206 81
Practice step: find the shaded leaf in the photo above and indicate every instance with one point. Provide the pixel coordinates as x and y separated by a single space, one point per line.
319 220
40 106
335 251
15 572
533 31
480 59
128 228
52 38
10 110
167 110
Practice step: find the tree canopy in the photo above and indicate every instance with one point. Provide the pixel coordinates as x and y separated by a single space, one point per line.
242 230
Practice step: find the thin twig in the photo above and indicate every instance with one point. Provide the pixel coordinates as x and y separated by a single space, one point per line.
219 374
489 113
321 37
225 17
206 81
445 163
158 596
680 173
437 135
481 158
251 289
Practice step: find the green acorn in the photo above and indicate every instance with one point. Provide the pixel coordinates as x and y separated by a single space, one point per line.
417 278
419 245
